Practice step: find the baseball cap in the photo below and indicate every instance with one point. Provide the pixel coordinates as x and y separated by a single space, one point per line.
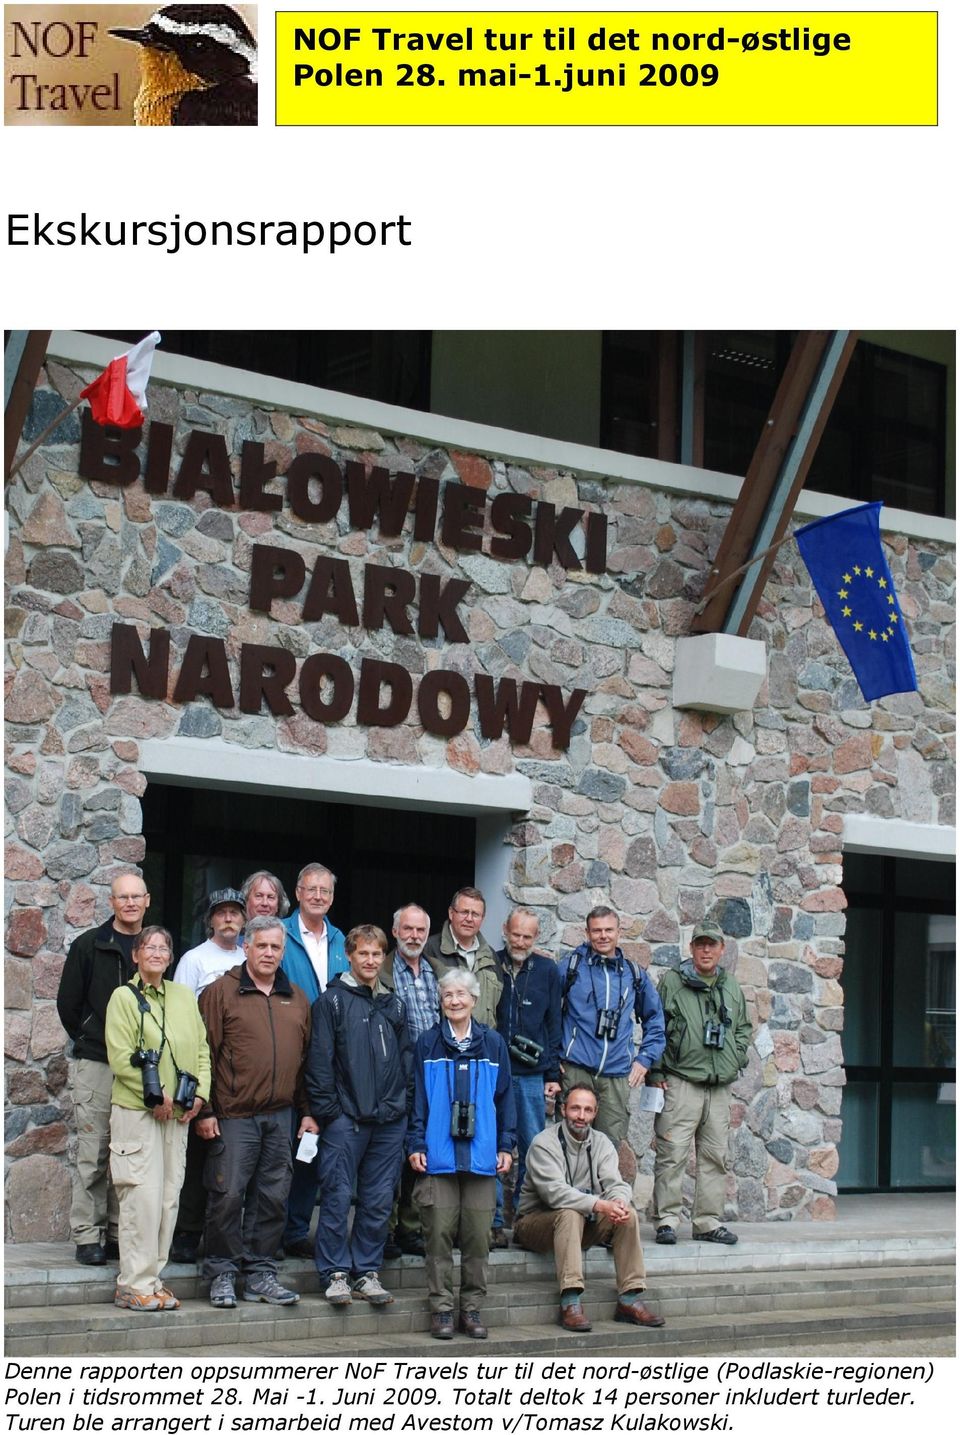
224 896
711 930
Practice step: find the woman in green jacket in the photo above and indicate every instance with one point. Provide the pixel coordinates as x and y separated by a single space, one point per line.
158 1053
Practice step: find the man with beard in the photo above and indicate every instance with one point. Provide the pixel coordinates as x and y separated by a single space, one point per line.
407 972
574 1197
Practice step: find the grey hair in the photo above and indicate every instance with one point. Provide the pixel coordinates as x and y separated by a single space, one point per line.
521 912
460 977
263 924
406 907
283 900
597 912
312 867
128 872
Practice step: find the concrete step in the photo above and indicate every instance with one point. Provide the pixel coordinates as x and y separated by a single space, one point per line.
699 1309
309 1330
48 1274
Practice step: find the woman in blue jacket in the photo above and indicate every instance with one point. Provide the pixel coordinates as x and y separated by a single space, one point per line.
460 1138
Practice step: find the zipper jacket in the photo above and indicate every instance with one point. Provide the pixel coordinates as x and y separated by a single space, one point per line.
360 1054
296 959
479 1076
94 968
688 1003
530 1005
259 1044
609 984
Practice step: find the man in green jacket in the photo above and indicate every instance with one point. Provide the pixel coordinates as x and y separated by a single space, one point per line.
708 1035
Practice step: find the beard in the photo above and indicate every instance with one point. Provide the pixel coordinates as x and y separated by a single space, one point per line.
410 950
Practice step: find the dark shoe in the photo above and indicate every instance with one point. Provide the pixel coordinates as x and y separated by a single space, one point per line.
411 1245
574 1317
111 1250
471 1324
184 1248
720 1237
499 1240
636 1313
666 1236
391 1251
301 1250
91 1254
441 1325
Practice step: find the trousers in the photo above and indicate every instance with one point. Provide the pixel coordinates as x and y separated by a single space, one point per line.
697 1116
448 1204
146 1162
568 1234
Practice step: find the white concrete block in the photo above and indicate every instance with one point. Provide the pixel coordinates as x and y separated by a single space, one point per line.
718 672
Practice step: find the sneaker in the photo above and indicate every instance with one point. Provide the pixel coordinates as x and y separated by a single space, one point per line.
167 1299
222 1293
267 1288
666 1236
719 1237
368 1287
133 1300
338 1292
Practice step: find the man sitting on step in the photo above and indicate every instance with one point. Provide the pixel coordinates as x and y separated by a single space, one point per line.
574 1197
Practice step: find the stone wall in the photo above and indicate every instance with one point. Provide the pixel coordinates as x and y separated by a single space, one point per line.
669 815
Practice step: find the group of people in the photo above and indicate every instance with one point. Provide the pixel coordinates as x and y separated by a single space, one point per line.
284 1062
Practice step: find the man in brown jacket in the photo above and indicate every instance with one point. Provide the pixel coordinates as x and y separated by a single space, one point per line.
258 1023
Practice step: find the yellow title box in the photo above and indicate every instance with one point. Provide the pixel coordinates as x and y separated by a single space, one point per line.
698 67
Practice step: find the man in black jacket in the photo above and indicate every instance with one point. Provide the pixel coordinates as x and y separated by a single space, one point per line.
357 1078
97 963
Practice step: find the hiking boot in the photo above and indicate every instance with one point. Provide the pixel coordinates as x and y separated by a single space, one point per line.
471 1324
222 1292
411 1245
338 1292
267 1288
441 1325
133 1300
368 1287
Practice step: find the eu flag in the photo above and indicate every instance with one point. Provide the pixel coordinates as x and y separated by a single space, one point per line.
846 561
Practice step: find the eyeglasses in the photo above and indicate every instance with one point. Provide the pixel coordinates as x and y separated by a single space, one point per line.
316 891
155 951
124 898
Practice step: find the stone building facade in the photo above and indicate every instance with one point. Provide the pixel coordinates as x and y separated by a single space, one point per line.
669 815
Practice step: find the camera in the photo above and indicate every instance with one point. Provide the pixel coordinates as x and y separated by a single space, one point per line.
714 1034
186 1092
463 1120
149 1064
608 1020
524 1049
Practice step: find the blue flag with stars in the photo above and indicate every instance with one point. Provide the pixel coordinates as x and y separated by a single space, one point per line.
845 559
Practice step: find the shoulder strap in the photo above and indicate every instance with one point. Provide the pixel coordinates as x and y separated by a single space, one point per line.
568 981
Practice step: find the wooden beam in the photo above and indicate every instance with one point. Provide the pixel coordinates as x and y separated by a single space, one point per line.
792 404
20 395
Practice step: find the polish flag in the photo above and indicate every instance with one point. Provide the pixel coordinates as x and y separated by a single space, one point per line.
118 395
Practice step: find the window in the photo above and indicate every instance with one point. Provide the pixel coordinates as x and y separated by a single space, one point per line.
392 366
899 1037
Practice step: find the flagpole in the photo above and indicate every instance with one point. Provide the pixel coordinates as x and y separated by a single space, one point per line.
64 413
737 571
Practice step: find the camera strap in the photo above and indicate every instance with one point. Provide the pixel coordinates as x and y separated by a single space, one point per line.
566 1162
147 1010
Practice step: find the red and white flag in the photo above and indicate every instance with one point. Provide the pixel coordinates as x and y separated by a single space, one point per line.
118 395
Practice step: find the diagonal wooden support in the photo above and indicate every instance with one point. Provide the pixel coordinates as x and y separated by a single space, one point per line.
775 478
24 355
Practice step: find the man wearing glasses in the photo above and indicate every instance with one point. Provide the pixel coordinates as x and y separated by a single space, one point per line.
98 962
314 952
